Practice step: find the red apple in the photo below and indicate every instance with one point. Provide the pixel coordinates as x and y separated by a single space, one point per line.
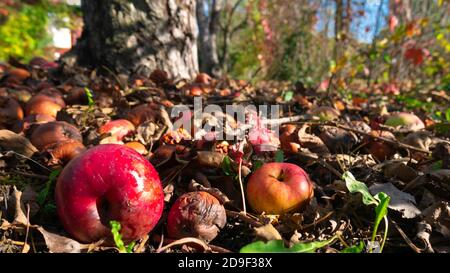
278 188
109 182
118 128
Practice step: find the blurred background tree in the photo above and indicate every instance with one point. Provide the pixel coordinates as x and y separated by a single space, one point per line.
382 45
26 27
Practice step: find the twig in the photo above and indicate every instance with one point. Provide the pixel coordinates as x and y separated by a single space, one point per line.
141 246
242 187
214 248
184 241
246 218
28 228
405 237
328 215
29 158
32 175
394 142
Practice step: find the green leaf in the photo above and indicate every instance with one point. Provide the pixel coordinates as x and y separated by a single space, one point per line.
355 186
288 96
279 156
226 166
90 96
381 213
115 230
277 246
257 164
447 114
382 208
354 249
42 196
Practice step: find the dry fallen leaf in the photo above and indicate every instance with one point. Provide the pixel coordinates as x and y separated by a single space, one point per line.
60 244
210 159
267 233
400 201
438 216
11 141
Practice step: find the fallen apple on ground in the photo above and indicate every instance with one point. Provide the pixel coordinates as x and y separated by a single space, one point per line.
196 214
105 183
278 188
405 120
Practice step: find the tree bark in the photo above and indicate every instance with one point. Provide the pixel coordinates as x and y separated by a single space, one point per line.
138 36
208 16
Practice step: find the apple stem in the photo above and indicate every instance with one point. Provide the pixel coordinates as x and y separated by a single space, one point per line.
242 186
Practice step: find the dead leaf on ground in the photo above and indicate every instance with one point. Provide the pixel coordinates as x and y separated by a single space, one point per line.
11 141
60 244
267 232
438 216
402 202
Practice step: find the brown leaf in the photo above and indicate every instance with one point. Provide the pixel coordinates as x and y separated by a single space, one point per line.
20 215
13 142
60 244
438 216
267 232
400 201
400 171
210 159
312 142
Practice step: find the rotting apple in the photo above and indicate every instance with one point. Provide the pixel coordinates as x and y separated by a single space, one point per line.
109 182
53 132
278 188
203 78
10 111
326 113
44 103
142 113
378 148
404 120
63 152
196 214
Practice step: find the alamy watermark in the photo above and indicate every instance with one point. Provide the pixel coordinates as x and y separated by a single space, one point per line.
237 123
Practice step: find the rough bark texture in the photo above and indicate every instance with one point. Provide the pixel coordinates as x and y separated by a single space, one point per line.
138 36
208 16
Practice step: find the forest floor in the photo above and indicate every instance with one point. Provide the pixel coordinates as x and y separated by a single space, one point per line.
368 174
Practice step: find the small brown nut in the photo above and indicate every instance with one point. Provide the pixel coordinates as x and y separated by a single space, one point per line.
196 214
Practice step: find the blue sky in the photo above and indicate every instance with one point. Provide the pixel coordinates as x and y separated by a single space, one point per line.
360 24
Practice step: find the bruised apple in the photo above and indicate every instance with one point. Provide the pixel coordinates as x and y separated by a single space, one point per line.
196 214
278 188
105 183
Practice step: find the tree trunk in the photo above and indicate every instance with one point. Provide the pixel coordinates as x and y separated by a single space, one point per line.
138 36
208 16
338 29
